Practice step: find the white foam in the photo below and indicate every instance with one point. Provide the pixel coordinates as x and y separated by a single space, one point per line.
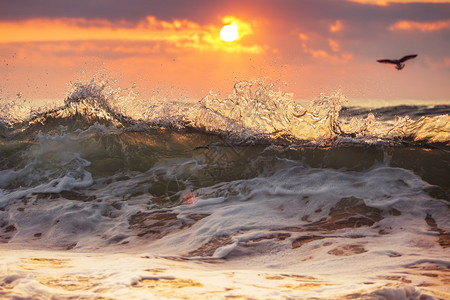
249 225
47 274
222 252
54 186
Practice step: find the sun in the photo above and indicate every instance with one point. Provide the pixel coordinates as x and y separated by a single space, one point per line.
229 32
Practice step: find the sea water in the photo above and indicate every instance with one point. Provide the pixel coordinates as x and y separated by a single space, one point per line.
249 196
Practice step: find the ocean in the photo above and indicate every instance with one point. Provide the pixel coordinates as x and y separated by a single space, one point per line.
253 195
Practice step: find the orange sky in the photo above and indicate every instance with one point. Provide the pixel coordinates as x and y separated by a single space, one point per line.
294 44
177 53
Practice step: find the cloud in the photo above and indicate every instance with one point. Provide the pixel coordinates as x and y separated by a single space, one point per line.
104 49
387 2
336 27
335 47
437 64
335 56
322 48
420 26
179 35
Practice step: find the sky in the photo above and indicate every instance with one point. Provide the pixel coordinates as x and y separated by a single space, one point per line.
173 48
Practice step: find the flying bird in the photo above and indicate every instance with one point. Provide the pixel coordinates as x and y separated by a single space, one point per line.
400 63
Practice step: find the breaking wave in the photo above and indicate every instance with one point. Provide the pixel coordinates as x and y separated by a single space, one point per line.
253 111
254 184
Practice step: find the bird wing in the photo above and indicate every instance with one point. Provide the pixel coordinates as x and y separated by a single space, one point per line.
387 61
406 57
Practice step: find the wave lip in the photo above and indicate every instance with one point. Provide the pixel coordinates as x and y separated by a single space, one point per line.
253 111
255 106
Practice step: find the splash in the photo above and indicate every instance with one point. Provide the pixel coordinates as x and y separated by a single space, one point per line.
86 103
434 129
256 106
253 112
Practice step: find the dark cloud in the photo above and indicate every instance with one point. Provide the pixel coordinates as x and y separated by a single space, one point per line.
111 9
207 10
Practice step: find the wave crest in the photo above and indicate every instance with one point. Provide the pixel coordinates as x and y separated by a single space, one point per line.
254 110
256 106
